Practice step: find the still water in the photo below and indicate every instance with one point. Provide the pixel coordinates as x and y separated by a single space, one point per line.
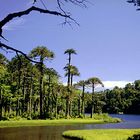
55 132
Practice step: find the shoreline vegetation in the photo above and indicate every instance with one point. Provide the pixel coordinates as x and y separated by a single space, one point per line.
35 91
101 134
97 119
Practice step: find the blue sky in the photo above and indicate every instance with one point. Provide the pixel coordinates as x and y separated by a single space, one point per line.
107 40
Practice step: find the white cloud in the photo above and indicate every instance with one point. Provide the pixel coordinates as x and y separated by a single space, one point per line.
14 24
108 85
112 84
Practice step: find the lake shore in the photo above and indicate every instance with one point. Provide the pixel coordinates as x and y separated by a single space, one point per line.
101 134
98 119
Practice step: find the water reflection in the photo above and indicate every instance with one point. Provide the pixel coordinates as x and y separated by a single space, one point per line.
36 133
55 132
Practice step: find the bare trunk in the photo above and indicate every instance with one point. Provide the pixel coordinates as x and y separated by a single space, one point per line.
92 106
0 103
49 94
83 101
23 94
68 98
40 88
79 106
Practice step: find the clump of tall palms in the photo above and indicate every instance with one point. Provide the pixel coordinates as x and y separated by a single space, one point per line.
82 85
41 53
33 90
69 69
93 82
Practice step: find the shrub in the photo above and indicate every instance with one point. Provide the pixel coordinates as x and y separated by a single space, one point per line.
134 137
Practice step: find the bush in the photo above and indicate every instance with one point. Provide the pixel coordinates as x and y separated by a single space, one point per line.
35 115
4 118
106 118
134 137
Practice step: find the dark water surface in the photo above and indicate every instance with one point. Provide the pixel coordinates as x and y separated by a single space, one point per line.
55 132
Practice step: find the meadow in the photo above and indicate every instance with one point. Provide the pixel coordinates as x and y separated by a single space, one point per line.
101 134
97 119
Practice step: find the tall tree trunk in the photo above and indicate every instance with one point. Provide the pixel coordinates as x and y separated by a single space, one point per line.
19 78
68 97
79 106
70 107
49 94
92 104
40 88
70 102
56 103
23 94
83 101
45 105
31 93
0 103
71 79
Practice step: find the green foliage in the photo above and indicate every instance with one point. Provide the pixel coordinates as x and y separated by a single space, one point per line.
70 51
101 134
18 121
22 84
41 52
125 100
105 117
134 137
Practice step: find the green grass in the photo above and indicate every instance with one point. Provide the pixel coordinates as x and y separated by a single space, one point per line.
106 118
101 134
21 123
97 119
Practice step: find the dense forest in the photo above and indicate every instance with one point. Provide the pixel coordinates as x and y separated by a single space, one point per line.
32 90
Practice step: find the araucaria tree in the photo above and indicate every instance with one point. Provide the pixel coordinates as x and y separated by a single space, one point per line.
69 52
42 53
3 71
82 85
73 72
93 82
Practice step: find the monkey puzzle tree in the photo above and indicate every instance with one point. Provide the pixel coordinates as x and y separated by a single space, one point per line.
82 84
20 74
41 53
73 72
50 80
3 71
69 52
93 82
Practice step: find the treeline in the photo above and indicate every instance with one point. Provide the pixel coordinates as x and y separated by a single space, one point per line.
118 100
32 90
123 100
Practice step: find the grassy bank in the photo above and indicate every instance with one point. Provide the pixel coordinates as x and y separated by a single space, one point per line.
102 118
101 134
21 123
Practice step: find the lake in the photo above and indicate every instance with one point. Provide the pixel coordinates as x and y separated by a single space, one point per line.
55 132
